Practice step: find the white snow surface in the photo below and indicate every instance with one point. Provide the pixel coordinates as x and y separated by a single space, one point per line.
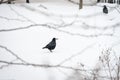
73 40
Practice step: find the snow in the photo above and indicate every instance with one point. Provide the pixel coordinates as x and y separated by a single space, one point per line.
73 40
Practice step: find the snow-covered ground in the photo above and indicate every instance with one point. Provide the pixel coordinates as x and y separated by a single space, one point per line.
82 36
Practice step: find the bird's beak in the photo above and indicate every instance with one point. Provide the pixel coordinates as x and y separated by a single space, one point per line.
56 38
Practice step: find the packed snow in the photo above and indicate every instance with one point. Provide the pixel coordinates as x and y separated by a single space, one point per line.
82 36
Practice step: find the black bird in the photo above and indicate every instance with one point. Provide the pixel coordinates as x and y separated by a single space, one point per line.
51 45
105 9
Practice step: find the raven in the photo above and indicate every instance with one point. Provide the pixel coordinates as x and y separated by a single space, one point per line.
105 9
51 45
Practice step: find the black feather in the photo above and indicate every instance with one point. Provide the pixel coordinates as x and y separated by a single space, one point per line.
51 45
105 9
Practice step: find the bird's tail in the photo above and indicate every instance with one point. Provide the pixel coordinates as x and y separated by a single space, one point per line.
43 47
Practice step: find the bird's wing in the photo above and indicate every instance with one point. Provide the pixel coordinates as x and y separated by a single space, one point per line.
50 44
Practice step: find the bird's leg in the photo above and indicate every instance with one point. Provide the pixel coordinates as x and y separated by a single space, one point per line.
50 50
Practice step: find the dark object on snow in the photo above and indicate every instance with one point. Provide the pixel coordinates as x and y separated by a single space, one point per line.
27 1
105 9
98 1
51 45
